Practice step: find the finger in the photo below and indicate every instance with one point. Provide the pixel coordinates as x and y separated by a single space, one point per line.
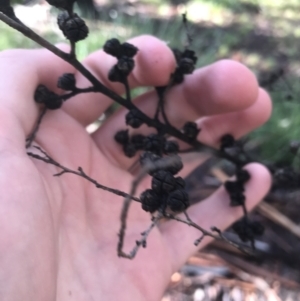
20 73
237 124
195 98
154 63
214 211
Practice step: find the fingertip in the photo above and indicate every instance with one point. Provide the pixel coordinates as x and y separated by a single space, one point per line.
266 106
226 86
154 63
259 184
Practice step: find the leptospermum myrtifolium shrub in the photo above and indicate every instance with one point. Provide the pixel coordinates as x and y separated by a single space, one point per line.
159 152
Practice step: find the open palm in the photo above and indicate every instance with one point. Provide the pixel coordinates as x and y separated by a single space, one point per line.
59 234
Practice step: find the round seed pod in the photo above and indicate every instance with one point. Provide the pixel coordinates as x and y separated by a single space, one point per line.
138 141
154 143
150 200
186 65
177 53
128 50
227 141
148 158
41 94
125 65
163 182
73 27
237 199
62 18
134 118
116 75
177 76
191 130
178 200
190 54
176 165
122 137
51 100
171 147
129 150
257 228
180 183
243 176
242 229
233 187
113 47
67 82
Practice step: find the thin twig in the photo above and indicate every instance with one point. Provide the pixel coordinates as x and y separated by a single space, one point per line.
187 31
77 91
205 232
143 241
127 89
80 173
31 137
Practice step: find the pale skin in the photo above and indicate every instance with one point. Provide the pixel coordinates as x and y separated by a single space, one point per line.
59 235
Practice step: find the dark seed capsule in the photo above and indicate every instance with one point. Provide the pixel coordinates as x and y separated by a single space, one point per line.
129 150
163 182
257 228
41 94
186 66
180 183
227 141
242 229
176 165
154 143
116 75
234 186
73 27
62 18
150 200
128 50
171 147
191 130
190 54
51 100
177 76
67 82
177 53
237 199
122 137
134 118
125 65
113 47
242 176
178 200
148 157
138 141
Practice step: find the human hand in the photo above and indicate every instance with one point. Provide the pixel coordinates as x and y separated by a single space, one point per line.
59 234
